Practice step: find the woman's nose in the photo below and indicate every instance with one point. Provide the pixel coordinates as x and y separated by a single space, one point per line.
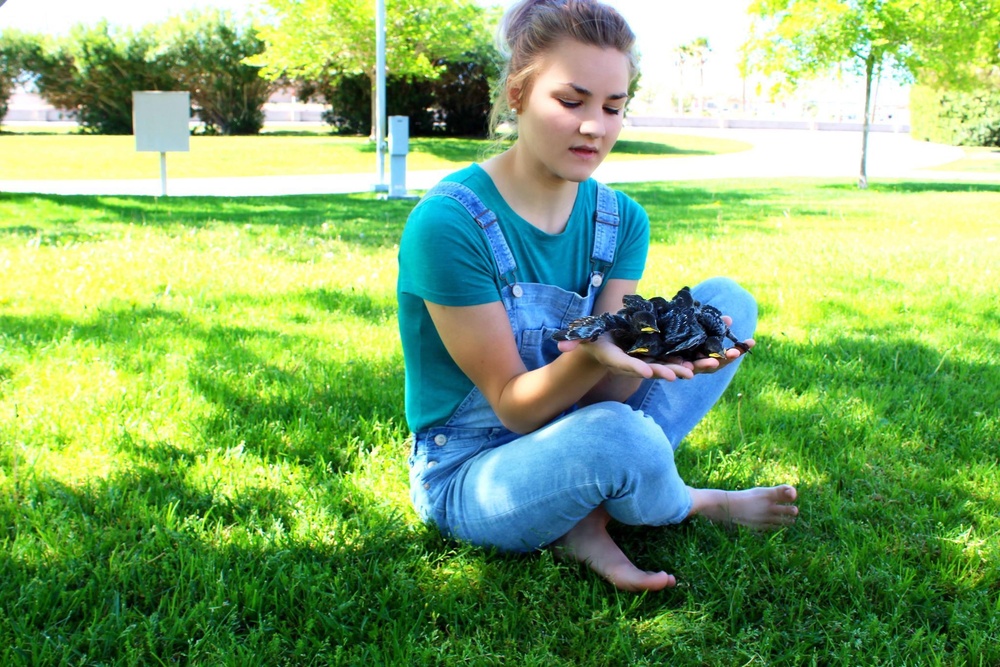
593 127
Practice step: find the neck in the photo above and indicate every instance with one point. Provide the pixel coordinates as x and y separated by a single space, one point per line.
541 198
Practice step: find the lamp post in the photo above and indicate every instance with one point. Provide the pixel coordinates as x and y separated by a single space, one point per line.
380 111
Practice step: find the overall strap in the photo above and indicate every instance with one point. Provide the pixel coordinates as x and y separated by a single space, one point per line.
606 220
487 221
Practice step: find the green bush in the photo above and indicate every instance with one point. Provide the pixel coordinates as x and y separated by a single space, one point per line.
206 50
457 103
952 117
94 71
462 93
350 99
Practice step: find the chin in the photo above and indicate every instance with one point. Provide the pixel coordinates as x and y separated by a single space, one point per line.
577 173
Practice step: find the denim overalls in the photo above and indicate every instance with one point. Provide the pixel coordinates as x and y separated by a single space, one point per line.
482 483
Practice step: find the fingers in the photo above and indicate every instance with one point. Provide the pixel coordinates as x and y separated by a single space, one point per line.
708 365
617 361
672 372
568 345
712 364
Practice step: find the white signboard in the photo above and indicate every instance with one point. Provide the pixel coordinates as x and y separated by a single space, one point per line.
160 124
160 121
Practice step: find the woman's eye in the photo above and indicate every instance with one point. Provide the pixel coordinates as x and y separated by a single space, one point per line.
614 111
570 104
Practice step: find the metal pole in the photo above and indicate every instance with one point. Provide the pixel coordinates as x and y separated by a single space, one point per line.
380 111
163 173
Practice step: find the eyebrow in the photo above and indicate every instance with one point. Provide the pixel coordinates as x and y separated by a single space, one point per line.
583 91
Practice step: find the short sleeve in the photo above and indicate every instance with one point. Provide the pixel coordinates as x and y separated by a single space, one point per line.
444 257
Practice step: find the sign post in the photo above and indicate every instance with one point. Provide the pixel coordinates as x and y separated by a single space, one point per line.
160 122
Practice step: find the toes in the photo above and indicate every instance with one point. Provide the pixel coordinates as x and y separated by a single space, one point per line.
634 579
786 493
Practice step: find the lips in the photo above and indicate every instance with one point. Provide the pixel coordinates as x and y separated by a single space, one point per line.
584 151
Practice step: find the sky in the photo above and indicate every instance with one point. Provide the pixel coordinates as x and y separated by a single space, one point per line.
660 25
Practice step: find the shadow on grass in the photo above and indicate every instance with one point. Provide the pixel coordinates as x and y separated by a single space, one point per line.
148 562
145 566
355 302
895 437
368 222
319 410
699 210
311 407
922 186
359 218
328 131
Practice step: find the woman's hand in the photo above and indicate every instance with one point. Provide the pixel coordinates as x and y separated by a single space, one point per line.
710 365
616 361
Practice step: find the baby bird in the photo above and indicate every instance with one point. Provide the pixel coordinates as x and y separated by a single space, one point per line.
659 330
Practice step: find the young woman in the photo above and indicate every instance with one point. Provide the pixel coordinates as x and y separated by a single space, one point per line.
521 444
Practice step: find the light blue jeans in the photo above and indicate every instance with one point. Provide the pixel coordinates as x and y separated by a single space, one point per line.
483 484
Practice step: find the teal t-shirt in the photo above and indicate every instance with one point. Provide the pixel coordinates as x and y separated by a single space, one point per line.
445 258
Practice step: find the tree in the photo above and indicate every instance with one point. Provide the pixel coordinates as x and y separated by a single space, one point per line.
696 53
350 98
462 92
798 39
16 50
207 53
94 71
331 39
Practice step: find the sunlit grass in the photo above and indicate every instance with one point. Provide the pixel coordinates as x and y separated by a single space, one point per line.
977 159
202 442
61 156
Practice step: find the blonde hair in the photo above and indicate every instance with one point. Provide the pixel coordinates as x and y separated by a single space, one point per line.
531 28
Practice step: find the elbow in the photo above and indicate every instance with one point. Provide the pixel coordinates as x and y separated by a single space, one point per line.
519 424
520 419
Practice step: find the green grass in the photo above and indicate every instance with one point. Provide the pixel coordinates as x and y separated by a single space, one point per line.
61 156
202 444
977 159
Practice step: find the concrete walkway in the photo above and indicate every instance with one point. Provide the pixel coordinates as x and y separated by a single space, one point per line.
774 153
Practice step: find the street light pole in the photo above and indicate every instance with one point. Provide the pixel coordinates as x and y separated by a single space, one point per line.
380 111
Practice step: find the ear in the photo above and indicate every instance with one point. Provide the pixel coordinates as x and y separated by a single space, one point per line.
514 100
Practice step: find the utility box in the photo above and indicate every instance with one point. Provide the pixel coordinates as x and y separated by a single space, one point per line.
399 146
399 135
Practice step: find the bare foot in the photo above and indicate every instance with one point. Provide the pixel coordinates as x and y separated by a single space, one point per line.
761 508
589 542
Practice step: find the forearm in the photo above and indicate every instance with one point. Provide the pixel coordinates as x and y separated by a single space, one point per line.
532 399
611 387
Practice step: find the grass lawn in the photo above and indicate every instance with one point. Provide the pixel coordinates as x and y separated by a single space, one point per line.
59 156
980 159
202 443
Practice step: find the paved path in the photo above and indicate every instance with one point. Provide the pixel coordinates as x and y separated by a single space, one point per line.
775 153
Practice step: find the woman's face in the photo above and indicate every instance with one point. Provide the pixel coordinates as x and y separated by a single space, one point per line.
572 114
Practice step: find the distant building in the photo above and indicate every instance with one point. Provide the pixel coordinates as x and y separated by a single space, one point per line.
282 107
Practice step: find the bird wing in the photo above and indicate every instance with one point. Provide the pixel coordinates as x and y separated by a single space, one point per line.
588 327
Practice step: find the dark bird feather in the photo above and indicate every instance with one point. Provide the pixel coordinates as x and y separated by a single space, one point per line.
658 329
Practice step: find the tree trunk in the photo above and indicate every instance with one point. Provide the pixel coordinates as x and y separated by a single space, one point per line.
869 71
